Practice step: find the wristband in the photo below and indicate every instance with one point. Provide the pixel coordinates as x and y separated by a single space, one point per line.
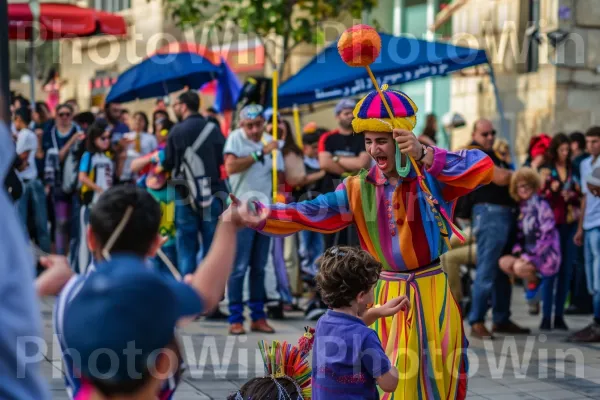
254 156
423 154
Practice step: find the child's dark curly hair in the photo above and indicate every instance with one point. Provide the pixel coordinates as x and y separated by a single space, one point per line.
265 388
344 272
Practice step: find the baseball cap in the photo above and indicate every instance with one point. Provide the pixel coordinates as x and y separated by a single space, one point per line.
344 104
124 304
251 111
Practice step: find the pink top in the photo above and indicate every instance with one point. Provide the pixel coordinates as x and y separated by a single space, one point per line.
53 99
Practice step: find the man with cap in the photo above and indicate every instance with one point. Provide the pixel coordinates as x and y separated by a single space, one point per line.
342 154
248 162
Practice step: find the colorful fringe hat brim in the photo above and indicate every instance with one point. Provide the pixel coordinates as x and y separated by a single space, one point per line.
360 125
370 113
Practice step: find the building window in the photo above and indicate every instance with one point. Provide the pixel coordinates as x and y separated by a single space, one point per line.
111 5
533 25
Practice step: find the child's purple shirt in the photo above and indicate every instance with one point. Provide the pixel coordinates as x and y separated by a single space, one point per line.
347 359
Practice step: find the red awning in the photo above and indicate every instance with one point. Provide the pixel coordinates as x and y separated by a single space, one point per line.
59 21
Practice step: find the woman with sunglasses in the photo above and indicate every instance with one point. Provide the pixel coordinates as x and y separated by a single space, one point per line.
402 215
57 142
96 174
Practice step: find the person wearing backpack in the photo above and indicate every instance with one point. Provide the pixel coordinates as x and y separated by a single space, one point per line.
194 155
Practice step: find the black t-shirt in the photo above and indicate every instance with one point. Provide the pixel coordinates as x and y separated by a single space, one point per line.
313 190
342 146
492 193
182 136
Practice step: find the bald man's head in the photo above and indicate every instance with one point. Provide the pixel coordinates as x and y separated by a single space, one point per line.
484 133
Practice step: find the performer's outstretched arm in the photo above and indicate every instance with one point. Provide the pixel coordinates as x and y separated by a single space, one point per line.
461 172
327 213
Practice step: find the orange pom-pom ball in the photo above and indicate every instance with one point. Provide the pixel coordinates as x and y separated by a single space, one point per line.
359 46
280 198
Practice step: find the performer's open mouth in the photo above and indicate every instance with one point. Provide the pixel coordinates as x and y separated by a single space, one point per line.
381 161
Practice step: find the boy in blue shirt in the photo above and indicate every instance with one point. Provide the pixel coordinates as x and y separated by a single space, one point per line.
348 359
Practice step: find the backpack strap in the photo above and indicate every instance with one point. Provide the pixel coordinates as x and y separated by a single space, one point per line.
203 135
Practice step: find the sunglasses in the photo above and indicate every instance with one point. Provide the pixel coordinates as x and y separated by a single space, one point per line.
490 133
64 115
104 138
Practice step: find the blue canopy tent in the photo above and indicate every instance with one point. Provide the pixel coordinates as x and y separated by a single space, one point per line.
162 74
402 60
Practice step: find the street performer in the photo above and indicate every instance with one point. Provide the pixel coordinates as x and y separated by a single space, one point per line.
406 228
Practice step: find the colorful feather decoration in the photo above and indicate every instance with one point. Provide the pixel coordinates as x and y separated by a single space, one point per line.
284 359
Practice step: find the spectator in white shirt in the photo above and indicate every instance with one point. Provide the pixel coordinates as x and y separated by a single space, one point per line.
142 143
33 197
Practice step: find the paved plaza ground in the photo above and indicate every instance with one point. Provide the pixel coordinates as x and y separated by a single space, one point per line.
538 366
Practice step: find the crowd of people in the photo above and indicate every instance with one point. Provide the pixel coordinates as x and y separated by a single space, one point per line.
530 225
66 159
183 194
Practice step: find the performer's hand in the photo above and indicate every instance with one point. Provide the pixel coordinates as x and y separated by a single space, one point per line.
408 143
394 306
243 214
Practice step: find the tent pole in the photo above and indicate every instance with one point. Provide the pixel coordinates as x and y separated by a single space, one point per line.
32 70
34 5
4 64
504 126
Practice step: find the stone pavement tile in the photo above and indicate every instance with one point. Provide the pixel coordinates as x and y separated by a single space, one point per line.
577 383
513 396
219 394
533 387
475 397
205 386
593 392
190 396
59 395
485 386
554 395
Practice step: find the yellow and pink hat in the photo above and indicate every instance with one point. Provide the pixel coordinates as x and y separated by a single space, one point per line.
370 113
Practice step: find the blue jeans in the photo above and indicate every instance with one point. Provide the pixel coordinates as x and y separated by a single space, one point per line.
492 225
311 248
160 266
33 194
562 279
252 251
579 296
592 266
188 224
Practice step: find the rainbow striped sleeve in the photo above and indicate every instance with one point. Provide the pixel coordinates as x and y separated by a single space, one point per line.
461 172
327 213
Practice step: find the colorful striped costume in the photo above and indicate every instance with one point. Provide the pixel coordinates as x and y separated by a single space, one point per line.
397 226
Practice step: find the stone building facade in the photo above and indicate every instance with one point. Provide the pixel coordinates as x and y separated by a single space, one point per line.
546 85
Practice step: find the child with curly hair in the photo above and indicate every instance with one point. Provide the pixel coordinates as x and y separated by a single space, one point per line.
348 358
